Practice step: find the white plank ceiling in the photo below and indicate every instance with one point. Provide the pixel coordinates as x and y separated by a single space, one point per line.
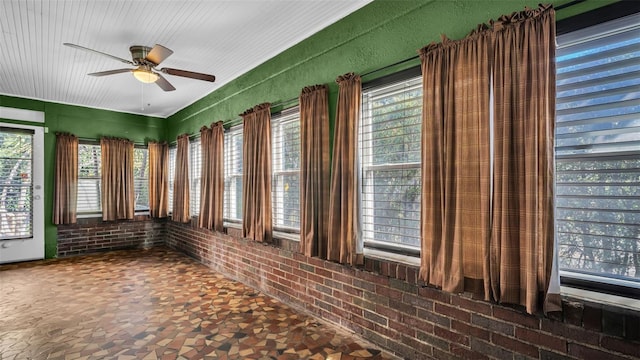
223 38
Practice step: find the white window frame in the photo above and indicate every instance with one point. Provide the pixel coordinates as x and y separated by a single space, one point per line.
278 122
172 174
96 211
374 247
600 151
231 174
144 180
195 174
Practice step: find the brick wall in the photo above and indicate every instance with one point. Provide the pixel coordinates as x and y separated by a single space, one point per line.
91 235
386 304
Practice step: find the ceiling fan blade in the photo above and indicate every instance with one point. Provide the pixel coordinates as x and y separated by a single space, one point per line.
158 54
189 74
99 52
110 72
164 84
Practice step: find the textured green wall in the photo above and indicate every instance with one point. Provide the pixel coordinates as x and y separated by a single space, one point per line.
381 33
85 123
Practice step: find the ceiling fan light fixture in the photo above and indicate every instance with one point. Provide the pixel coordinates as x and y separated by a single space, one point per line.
145 75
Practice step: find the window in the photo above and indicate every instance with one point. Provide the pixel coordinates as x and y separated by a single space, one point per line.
195 169
141 178
233 175
389 152
89 179
89 190
285 135
598 154
172 174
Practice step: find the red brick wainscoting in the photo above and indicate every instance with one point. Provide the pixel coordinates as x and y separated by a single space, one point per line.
91 235
385 303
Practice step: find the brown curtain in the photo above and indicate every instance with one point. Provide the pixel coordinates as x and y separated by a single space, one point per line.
117 179
314 170
489 229
212 176
343 240
256 174
455 162
522 242
181 182
65 192
158 179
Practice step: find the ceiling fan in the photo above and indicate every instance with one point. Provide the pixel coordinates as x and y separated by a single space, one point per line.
145 59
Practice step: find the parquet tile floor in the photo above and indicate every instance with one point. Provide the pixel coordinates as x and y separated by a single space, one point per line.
153 304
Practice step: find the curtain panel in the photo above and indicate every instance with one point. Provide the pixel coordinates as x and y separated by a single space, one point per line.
487 204
522 235
314 170
256 171
212 177
117 179
344 225
181 197
455 163
65 192
158 179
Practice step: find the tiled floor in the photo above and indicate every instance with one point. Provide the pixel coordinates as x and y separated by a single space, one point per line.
153 304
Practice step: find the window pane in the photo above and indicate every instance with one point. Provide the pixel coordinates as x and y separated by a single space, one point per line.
233 174
195 169
141 178
89 172
16 152
172 175
390 158
285 129
597 150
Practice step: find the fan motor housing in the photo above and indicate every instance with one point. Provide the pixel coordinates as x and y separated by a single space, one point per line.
139 54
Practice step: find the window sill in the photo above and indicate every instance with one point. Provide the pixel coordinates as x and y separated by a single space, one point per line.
388 256
276 234
286 236
88 216
600 298
232 225
98 215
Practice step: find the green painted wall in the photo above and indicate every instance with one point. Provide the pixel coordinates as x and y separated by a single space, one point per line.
86 123
382 33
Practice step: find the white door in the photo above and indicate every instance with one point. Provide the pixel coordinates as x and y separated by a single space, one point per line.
21 193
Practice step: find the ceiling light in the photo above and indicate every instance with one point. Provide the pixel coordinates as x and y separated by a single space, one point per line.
145 75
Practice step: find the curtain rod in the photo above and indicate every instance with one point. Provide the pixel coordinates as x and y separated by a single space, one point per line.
237 121
94 141
559 7
569 4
